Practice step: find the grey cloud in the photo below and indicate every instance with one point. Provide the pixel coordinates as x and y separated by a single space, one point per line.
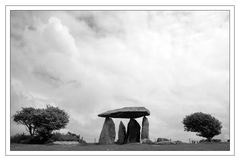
102 23
75 83
90 21
48 76
31 28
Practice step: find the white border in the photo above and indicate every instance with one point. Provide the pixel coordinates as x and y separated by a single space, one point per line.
47 7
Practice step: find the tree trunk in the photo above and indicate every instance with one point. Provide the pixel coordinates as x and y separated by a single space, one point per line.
30 131
209 139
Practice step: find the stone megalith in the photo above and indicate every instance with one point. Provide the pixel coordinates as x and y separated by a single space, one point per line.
108 134
145 128
126 112
122 135
133 131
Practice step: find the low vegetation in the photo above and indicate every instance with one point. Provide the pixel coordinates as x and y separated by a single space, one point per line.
28 139
213 141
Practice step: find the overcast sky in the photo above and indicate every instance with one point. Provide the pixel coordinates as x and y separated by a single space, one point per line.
172 62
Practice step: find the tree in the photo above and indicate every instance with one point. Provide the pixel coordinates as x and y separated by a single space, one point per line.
42 122
50 119
26 118
204 124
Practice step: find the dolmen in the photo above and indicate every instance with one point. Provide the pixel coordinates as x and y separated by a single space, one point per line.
132 134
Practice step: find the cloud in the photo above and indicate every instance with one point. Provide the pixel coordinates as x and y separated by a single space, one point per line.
174 63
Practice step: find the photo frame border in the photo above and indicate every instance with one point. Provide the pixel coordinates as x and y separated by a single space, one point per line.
230 8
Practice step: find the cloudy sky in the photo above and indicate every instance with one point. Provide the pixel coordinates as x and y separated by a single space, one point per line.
86 62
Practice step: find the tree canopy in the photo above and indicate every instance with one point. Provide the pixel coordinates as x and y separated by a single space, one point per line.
26 117
204 124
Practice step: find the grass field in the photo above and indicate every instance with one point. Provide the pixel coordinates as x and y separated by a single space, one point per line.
125 147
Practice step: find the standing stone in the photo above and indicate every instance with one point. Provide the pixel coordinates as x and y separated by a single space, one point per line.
122 136
145 128
107 135
133 131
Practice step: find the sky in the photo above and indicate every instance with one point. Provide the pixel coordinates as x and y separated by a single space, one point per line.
174 63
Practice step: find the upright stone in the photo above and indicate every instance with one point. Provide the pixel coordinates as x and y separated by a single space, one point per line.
108 134
122 135
133 131
145 128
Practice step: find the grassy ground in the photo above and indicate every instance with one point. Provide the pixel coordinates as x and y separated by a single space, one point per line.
125 147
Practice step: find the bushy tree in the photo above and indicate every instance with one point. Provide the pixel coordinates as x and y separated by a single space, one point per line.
26 117
50 119
42 122
204 124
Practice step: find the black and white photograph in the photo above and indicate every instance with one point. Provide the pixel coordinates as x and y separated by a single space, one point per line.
120 80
